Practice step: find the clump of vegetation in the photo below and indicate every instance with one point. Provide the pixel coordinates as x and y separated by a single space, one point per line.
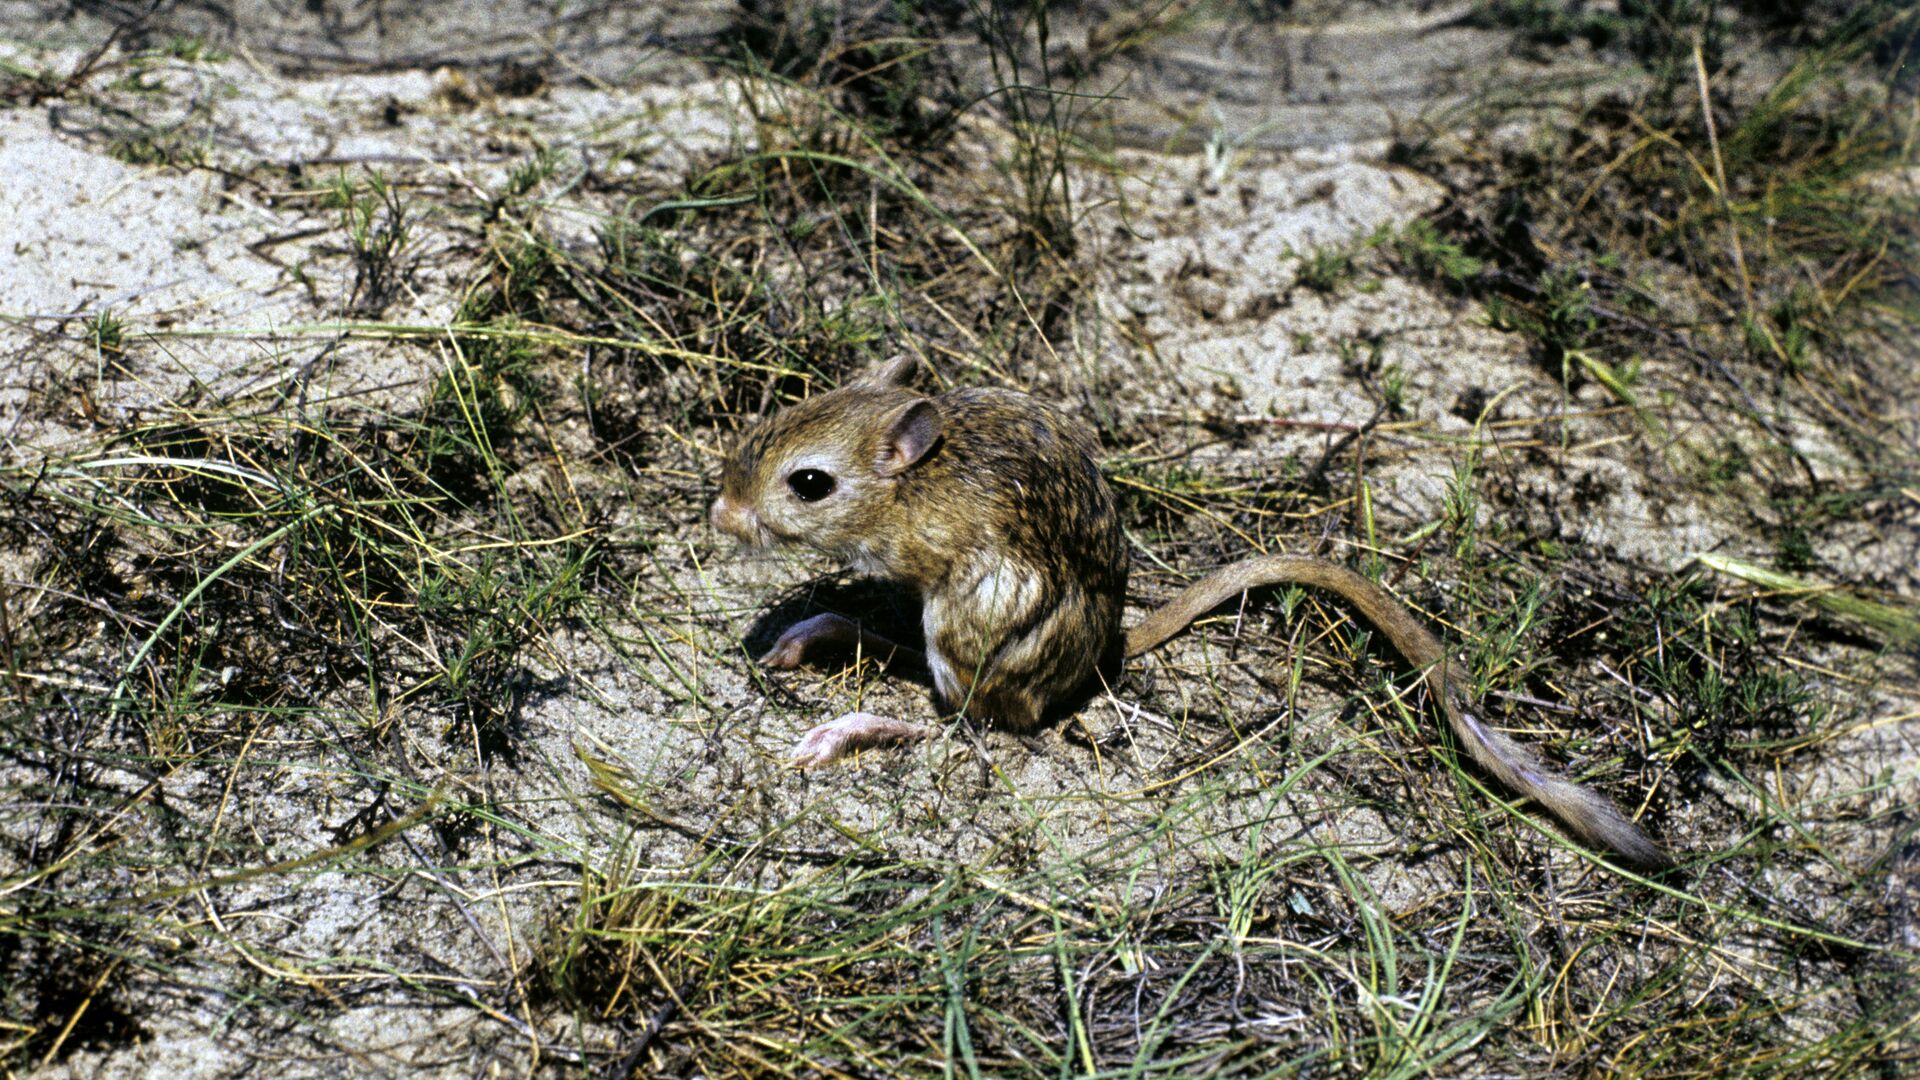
251 565
1430 255
154 146
1757 208
1325 269
887 64
373 219
1552 23
106 331
193 49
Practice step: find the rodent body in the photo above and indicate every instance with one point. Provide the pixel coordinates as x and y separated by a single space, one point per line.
991 504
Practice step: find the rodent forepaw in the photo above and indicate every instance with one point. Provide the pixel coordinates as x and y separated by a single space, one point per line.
824 629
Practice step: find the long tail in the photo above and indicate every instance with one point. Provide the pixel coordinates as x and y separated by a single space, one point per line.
1590 816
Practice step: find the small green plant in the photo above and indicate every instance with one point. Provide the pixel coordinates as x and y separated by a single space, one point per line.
862 321
374 218
1226 148
1708 660
1393 388
1461 510
531 173
155 146
193 49
137 79
1361 355
1782 333
1567 321
105 331
1506 641
1794 554
1325 269
1718 469
1433 256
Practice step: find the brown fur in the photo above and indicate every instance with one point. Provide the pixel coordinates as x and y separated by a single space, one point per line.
992 505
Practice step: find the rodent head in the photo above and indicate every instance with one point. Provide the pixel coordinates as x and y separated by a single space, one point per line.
822 472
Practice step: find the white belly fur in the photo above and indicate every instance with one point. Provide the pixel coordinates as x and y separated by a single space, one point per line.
1000 590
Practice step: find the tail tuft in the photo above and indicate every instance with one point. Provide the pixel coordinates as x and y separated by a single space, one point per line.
1589 814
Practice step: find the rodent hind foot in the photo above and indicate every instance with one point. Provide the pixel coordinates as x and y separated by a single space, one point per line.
827 743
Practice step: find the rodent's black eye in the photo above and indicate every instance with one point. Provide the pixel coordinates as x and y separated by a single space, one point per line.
810 485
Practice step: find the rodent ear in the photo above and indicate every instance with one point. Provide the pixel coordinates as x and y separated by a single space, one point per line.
898 371
910 434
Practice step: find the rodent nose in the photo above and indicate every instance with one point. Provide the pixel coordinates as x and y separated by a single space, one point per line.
733 518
